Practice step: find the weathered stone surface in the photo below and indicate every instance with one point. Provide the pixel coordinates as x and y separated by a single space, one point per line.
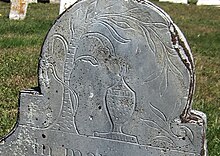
115 78
64 4
18 9
208 2
175 1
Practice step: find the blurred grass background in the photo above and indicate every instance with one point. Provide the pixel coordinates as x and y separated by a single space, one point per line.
20 45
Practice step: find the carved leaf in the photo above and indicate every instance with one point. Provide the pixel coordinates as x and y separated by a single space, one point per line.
91 11
151 123
158 112
188 133
174 110
97 3
149 39
139 14
175 70
171 51
154 76
114 33
164 83
152 43
89 59
164 139
160 25
157 30
121 24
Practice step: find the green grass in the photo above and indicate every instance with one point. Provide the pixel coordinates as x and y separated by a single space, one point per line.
20 44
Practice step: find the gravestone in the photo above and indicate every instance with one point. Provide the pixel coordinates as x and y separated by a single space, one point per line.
116 78
64 4
175 1
54 1
18 9
208 2
32 1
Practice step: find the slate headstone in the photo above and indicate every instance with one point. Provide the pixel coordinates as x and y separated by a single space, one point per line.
18 9
209 2
116 78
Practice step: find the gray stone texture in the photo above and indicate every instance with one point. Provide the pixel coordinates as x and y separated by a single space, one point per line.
116 78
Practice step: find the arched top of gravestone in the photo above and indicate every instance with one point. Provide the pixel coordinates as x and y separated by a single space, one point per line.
121 39
127 54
